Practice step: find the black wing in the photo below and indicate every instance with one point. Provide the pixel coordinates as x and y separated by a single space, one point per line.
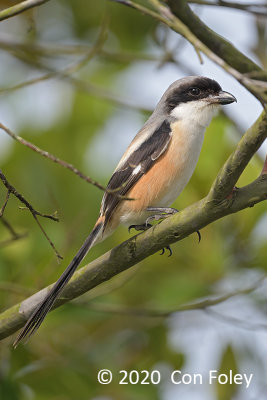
138 163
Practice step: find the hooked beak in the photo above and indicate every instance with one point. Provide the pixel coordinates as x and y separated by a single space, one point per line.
222 98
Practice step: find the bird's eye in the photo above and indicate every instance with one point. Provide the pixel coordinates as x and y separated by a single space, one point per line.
194 91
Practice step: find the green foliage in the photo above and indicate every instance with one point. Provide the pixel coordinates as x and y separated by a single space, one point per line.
61 362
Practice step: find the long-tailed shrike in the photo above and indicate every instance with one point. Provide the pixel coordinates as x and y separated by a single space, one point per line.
153 171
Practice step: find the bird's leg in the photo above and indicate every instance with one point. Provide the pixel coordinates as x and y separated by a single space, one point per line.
143 227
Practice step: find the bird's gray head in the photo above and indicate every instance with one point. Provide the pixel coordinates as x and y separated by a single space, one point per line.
194 99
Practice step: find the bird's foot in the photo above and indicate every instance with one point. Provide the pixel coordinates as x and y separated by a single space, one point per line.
165 212
143 227
162 213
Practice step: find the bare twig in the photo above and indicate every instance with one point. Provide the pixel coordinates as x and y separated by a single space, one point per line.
15 288
2 210
12 190
258 9
41 50
14 235
51 157
34 212
71 69
81 85
52 50
20 8
64 164
66 72
7 242
228 319
199 305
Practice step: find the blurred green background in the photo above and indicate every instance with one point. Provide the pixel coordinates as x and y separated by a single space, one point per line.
87 115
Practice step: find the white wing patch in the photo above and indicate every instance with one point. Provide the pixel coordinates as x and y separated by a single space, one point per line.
137 169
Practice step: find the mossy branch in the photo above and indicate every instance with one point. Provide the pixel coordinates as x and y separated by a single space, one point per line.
20 8
173 229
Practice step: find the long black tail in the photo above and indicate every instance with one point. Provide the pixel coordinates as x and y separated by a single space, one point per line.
44 307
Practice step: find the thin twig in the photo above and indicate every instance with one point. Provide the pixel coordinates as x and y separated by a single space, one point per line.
52 50
228 319
251 8
7 242
14 235
51 157
12 190
71 69
17 48
64 164
34 212
2 210
199 305
81 85
20 8
15 288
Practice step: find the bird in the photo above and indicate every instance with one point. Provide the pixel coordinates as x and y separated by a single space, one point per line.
152 172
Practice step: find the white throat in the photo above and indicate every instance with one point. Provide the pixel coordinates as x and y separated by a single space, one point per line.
197 113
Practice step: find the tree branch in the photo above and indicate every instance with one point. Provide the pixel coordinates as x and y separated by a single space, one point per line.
173 229
264 169
134 250
20 8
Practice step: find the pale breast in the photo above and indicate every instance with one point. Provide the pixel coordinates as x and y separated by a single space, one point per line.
183 155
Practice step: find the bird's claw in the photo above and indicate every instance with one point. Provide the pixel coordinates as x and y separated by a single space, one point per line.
167 248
